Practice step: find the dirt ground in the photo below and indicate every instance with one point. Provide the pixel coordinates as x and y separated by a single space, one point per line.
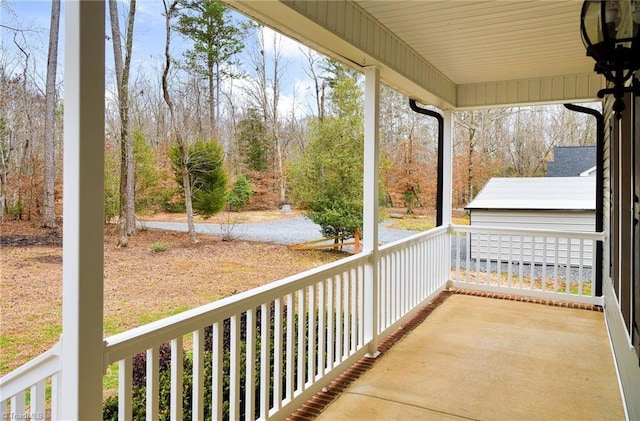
139 285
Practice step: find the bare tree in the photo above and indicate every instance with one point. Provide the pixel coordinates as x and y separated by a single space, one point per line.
530 145
170 10
25 130
49 219
265 92
126 222
477 140
320 84
568 128
409 145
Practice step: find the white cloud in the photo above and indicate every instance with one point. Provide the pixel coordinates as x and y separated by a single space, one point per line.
288 47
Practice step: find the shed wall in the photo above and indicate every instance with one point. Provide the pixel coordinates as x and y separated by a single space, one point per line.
532 250
539 219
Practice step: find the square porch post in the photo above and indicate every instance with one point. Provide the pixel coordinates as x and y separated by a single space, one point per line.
370 205
447 192
447 164
83 223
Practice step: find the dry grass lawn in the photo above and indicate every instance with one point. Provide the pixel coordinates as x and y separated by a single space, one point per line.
139 286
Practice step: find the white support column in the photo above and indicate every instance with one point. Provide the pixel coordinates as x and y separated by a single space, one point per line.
447 184
82 291
370 208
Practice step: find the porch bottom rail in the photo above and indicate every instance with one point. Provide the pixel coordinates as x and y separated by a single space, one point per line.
549 264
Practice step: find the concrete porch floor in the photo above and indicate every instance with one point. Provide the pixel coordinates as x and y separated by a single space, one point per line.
477 358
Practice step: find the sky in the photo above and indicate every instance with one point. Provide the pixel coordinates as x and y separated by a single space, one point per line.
32 18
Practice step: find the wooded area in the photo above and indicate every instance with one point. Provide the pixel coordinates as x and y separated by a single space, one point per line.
184 132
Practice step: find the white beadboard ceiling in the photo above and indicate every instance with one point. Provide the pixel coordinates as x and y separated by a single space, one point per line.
479 41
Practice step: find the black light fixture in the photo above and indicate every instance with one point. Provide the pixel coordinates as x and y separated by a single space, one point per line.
611 32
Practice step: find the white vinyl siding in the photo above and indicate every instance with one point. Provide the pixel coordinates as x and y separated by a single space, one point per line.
535 219
532 250
540 90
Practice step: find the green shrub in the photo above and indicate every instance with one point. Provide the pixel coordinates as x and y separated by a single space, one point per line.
208 178
160 246
16 211
110 405
240 194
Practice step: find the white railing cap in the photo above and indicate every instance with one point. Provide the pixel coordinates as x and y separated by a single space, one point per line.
136 340
588 235
40 368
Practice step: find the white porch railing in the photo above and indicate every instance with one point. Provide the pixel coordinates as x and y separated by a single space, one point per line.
265 352
286 320
24 389
411 272
311 325
548 264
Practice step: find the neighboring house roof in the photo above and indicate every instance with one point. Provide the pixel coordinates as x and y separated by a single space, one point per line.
571 161
591 172
549 193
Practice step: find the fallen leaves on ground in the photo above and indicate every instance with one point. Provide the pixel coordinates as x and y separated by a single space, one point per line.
139 285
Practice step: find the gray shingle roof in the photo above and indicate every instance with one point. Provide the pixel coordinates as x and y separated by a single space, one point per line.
570 161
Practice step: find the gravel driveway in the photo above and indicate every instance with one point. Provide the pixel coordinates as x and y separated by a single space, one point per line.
300 229
283 231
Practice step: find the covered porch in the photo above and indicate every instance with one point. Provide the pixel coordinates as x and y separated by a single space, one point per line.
264 353
313 327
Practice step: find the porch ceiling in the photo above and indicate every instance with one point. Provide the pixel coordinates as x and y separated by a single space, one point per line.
489 41
453 54
474 41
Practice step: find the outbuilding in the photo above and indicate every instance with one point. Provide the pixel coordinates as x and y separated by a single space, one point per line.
543 203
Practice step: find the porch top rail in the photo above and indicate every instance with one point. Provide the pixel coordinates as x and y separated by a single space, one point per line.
40 368
580 235
415 238
125 344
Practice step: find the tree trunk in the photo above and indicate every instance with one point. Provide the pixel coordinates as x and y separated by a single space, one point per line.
212 99
169 9
49 220
126 221
123 238
216 129
186 185
270 106
319 83
131 173
274 120
471 155
3 184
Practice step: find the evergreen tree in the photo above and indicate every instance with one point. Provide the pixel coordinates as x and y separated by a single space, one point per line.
253 142
207 176
215 41
240 194
328 178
